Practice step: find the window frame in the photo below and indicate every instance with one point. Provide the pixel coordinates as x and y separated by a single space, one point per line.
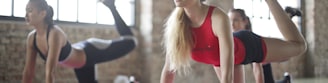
17 18
254 18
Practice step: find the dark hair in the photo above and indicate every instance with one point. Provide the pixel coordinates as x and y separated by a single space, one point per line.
244 17
43 5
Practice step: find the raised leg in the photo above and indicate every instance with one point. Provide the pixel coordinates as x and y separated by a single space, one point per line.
293 43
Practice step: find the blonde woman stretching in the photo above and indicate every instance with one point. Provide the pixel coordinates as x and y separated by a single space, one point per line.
204 34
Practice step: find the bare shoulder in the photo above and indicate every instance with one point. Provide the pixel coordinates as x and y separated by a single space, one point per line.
219 14
30 39
30 36
57 31
220 21
57 34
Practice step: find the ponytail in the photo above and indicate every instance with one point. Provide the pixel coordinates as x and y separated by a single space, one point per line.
178 40
50 13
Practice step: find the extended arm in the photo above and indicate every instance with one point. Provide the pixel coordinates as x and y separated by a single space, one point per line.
222 30
167 75
29 69
55 42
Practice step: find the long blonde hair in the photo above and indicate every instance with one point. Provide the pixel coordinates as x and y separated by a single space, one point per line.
178 40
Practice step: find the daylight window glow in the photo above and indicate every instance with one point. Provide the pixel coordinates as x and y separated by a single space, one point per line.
261 18
83 11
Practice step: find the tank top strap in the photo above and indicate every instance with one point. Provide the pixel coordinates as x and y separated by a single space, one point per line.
36 47
210 11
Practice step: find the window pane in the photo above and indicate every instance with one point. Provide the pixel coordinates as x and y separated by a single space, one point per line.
104 15
87 11
261 9
5 7
266 28
126 10
53 4
68 10
263 26
19 8
124 7
245 5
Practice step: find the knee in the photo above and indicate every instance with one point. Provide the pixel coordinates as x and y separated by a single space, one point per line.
132 41
302 47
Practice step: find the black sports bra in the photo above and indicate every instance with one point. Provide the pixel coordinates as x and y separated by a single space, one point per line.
65 51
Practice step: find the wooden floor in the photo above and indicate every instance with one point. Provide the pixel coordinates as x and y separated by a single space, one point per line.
304 80
310 80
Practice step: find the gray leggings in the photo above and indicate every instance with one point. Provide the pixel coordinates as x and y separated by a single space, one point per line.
117 49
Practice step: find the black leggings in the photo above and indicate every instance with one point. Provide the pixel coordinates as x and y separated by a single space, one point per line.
117 49
253 46
267 72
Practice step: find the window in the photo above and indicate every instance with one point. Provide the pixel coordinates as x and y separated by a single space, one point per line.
81 11
262 21
126 10
5 7
19 8
67 10
86 6
54 5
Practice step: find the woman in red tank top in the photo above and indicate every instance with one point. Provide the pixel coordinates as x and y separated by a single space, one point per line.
182 41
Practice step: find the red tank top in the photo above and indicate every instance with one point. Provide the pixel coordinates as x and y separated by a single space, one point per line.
206 44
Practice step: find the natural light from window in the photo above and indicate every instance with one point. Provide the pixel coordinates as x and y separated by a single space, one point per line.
5 7
83 11
262 20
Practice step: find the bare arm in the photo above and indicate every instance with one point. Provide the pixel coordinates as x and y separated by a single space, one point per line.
56 41
29 69
167 75
258 72
222 29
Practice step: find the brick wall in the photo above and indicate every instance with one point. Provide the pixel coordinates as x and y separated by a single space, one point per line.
12 59
147 60
316 32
